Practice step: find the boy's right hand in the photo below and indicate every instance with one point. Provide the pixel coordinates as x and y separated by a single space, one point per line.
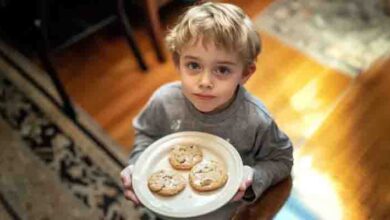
127 185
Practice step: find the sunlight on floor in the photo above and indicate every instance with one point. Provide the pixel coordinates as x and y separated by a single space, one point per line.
314 195
308 103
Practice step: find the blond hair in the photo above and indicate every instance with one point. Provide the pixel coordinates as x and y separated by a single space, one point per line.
226 25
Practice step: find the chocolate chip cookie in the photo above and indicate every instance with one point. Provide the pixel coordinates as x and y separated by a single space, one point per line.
166 183
184 157
208 176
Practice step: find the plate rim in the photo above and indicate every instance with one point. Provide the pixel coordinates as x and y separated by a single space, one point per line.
166 138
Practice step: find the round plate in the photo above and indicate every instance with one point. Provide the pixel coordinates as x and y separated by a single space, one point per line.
188 203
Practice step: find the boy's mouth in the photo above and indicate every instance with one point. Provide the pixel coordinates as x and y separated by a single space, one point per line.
203 96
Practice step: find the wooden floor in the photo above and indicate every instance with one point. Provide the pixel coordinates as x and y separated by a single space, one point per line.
339 125
352 147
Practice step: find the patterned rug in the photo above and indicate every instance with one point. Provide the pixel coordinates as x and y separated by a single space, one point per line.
52 167
348 35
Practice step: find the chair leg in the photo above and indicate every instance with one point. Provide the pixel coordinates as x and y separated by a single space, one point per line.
43 45
151 8
129 34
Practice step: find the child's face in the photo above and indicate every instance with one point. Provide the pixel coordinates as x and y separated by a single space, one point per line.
210 75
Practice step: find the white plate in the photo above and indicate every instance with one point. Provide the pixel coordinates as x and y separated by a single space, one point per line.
188 203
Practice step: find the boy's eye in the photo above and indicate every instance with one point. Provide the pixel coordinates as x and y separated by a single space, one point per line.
193 66
222 70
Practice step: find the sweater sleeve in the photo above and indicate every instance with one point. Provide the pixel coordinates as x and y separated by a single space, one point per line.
273 157
147 128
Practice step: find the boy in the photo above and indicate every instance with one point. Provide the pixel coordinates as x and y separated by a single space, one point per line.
214 48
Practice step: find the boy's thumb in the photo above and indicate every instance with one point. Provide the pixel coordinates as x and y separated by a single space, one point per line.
243 186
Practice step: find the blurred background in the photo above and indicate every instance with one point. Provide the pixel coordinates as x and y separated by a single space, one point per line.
92 65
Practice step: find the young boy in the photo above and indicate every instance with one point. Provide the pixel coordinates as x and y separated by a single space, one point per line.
214 48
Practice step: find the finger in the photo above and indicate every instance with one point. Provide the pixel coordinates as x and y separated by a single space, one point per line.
248 182
243 186
123 179
131 196
238 196
127 195
126 180
135 200
240 193
128 188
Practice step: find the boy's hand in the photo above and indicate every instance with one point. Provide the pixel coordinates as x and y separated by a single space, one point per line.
127 185
246 182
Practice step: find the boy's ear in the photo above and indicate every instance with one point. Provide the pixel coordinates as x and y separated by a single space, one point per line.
176 59
177 67
247 73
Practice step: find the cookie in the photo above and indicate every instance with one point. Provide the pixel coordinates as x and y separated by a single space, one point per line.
166 183
207 176
184 157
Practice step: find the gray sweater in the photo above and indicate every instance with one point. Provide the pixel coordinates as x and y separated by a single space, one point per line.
246 124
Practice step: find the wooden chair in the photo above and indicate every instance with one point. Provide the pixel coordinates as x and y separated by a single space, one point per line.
44 47
151 8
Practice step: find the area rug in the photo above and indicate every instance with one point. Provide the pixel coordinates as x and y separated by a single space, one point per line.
52 167
347 35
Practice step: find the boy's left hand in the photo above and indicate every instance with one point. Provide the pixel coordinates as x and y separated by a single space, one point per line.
246 182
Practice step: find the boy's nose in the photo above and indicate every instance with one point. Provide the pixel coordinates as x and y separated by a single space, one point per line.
205 80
